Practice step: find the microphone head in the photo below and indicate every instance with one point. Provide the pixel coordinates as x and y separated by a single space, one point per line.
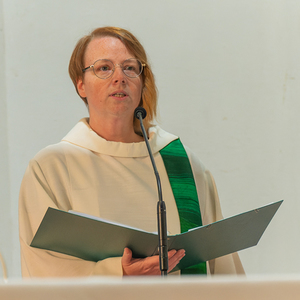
140 111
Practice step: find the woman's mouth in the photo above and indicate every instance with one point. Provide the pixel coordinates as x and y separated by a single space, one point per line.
119 95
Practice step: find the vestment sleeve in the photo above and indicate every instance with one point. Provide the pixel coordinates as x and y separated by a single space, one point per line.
211 212
38 192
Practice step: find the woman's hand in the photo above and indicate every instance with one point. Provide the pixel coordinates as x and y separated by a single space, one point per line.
148 265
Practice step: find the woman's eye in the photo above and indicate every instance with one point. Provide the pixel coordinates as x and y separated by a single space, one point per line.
130 68
104 68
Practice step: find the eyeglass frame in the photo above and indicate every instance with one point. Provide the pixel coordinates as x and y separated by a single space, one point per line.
114 68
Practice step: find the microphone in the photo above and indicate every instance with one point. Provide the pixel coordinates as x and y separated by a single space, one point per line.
140 113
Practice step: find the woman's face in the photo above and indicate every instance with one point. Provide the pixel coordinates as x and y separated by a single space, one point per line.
116 96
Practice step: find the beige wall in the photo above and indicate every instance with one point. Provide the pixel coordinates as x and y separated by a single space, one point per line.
6 230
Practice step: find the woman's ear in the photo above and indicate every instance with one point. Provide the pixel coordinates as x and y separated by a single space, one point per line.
81 88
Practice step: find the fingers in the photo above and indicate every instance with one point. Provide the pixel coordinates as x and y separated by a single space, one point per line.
175 258
171 253
127 256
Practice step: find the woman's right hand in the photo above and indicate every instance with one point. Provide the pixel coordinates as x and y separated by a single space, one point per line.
148 265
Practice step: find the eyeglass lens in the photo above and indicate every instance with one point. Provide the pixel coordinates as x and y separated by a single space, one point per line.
104 68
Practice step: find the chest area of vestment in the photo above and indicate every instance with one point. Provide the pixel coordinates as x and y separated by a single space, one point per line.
120 189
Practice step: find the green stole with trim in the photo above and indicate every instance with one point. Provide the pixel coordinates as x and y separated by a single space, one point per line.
184 190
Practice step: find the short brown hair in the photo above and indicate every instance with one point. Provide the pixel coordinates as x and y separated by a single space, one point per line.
149 91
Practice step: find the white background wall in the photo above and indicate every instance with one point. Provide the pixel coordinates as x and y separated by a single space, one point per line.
228 76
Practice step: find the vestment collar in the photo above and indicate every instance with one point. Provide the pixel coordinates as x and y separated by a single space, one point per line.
83 136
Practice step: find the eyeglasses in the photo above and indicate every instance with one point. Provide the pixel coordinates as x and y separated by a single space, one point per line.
104 68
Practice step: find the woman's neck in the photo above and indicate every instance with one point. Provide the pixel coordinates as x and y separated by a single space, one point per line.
116 130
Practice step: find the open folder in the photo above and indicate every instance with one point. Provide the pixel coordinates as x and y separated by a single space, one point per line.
94 239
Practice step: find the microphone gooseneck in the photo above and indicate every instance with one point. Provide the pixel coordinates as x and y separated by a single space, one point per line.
140 113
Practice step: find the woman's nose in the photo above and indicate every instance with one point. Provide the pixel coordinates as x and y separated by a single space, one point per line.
119 74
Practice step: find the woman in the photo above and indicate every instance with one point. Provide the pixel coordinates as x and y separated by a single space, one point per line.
102 166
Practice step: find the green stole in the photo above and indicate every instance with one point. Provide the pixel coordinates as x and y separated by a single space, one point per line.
184 190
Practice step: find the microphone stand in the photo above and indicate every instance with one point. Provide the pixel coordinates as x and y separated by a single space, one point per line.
161 206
